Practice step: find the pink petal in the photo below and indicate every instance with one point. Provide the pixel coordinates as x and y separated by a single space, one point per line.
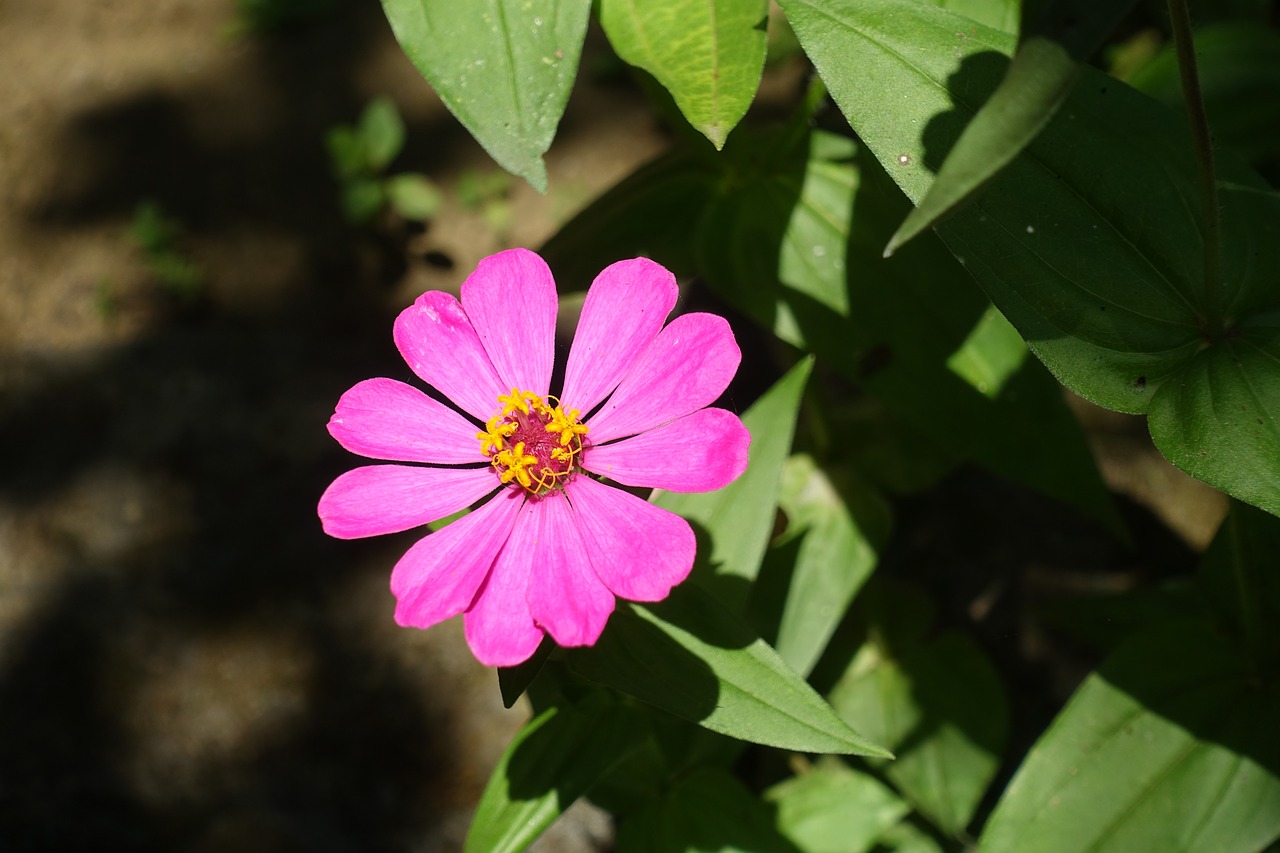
498 625
438 577
386 419
440 345
511 300
687 366
566 597
379 499
639 551
625 308
701 452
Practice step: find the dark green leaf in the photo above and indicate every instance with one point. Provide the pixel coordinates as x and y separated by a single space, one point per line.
503 67
709 55
1062 35
1239 67
709 810
554 759
690 656
1171 745
1091 242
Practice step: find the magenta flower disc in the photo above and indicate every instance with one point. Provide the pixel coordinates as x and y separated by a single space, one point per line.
550 545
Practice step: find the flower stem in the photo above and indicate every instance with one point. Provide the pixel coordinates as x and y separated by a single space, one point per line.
1180 19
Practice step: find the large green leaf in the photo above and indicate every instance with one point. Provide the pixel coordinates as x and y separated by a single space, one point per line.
708 53
1058 38
843 525
554 759
1171 745
794 240
1091 242
503 67
709 810
737 521
692 657
940 704
834 809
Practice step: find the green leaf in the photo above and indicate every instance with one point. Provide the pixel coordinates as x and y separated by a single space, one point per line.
833 809
1171 745
738 520
690 656
1091 242
843 525
1239 67
1063 34
362 200
1000 15
708 53
939 702
413 196
709 810
554 759
503 67
381 133
346 153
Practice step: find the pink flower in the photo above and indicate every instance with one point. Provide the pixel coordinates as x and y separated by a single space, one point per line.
551 544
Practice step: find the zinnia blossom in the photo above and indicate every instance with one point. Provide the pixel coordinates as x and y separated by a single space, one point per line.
551 544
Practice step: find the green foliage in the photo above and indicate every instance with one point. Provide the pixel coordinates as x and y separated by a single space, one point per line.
158 237
360 156
708 55
1107 258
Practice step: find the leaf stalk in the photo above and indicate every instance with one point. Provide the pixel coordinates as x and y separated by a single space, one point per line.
1202 139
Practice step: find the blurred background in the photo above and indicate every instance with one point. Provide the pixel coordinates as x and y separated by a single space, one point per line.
203 242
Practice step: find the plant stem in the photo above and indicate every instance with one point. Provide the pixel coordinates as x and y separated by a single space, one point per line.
1180 19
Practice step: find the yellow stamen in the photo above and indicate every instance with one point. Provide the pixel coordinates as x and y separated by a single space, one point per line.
537 461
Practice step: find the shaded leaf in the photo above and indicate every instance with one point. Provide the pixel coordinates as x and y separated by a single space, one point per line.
1239 67
690 656
554 759
938 702
504 68
708 810
709 54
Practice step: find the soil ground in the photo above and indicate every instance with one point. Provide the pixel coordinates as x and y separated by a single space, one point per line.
186 661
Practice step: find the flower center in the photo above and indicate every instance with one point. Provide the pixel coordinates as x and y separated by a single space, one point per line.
533 442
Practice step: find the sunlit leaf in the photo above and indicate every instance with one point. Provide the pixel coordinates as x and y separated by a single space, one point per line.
834 809
843 525
503 67
708 53
690 656
1171 745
